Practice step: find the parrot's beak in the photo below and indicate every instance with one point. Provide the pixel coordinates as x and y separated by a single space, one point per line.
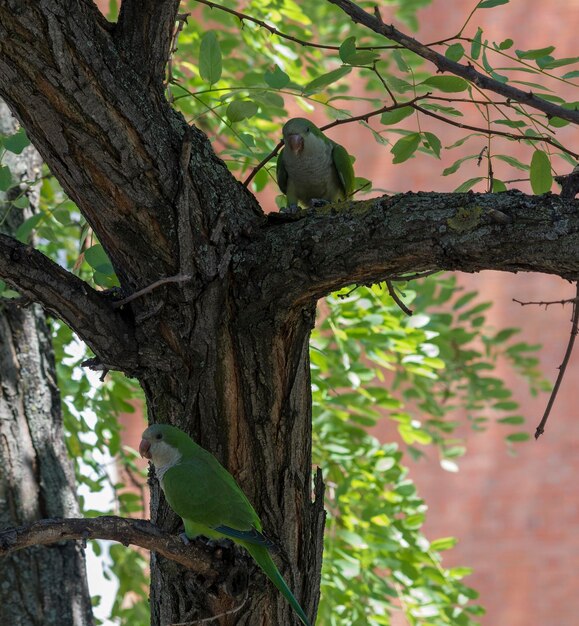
295 143
145 449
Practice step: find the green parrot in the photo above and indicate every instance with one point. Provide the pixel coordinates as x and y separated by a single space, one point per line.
208 500
312 168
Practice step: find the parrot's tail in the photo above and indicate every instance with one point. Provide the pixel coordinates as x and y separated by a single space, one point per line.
264 560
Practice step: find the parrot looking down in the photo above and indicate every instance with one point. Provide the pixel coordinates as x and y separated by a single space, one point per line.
311 168
208 500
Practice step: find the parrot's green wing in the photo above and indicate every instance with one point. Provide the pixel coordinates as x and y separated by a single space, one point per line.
344 168
281 172
201 491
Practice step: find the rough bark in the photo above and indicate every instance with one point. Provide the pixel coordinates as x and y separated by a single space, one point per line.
37 587
224 355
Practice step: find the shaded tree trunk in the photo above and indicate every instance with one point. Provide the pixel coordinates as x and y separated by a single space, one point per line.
248 400
37 587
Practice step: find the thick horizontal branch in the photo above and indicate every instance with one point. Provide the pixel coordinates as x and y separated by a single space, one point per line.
322 250
137 532
69 298
446 65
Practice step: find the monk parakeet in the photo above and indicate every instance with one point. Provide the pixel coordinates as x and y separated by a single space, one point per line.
312 167
207 498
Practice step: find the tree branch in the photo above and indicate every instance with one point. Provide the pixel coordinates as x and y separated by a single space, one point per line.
372 241
68 297
444 64
563 367
137 532
144 33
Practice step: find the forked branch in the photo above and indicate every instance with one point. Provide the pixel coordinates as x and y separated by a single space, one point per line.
69 298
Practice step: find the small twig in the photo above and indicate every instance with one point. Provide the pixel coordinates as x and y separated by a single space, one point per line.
413 276
179 278
244 17
343 296
546 304
396 298
181 21
574 330
262 163
494 132
480 156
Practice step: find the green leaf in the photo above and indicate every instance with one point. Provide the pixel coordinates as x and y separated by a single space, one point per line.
512 161
573 74
455 52
506 44
557 122
5 178
498 186
351 56
560 63
489 4
396 115
445 543
512 123
97 258
240 110
364 57
210 62
448 84
277 79
518 437
22 202
404 148
513 420
17 142
537 53
476 44
468 184
323 81
348 49
451 169
434 143
24 230
541 177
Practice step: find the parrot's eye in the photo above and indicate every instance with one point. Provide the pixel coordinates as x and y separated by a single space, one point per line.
307 130
159 436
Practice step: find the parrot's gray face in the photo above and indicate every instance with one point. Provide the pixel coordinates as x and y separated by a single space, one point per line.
162 454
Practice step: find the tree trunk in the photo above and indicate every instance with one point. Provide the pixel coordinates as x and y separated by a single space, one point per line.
38 586
248 400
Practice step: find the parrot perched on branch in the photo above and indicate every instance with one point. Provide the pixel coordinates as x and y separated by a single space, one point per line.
208 500
312 168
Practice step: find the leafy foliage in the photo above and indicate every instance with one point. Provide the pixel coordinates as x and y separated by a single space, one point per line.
270 63
370 361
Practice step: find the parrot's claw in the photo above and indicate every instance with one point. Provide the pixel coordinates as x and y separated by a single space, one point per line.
290 209
184 538
218 543
316 203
